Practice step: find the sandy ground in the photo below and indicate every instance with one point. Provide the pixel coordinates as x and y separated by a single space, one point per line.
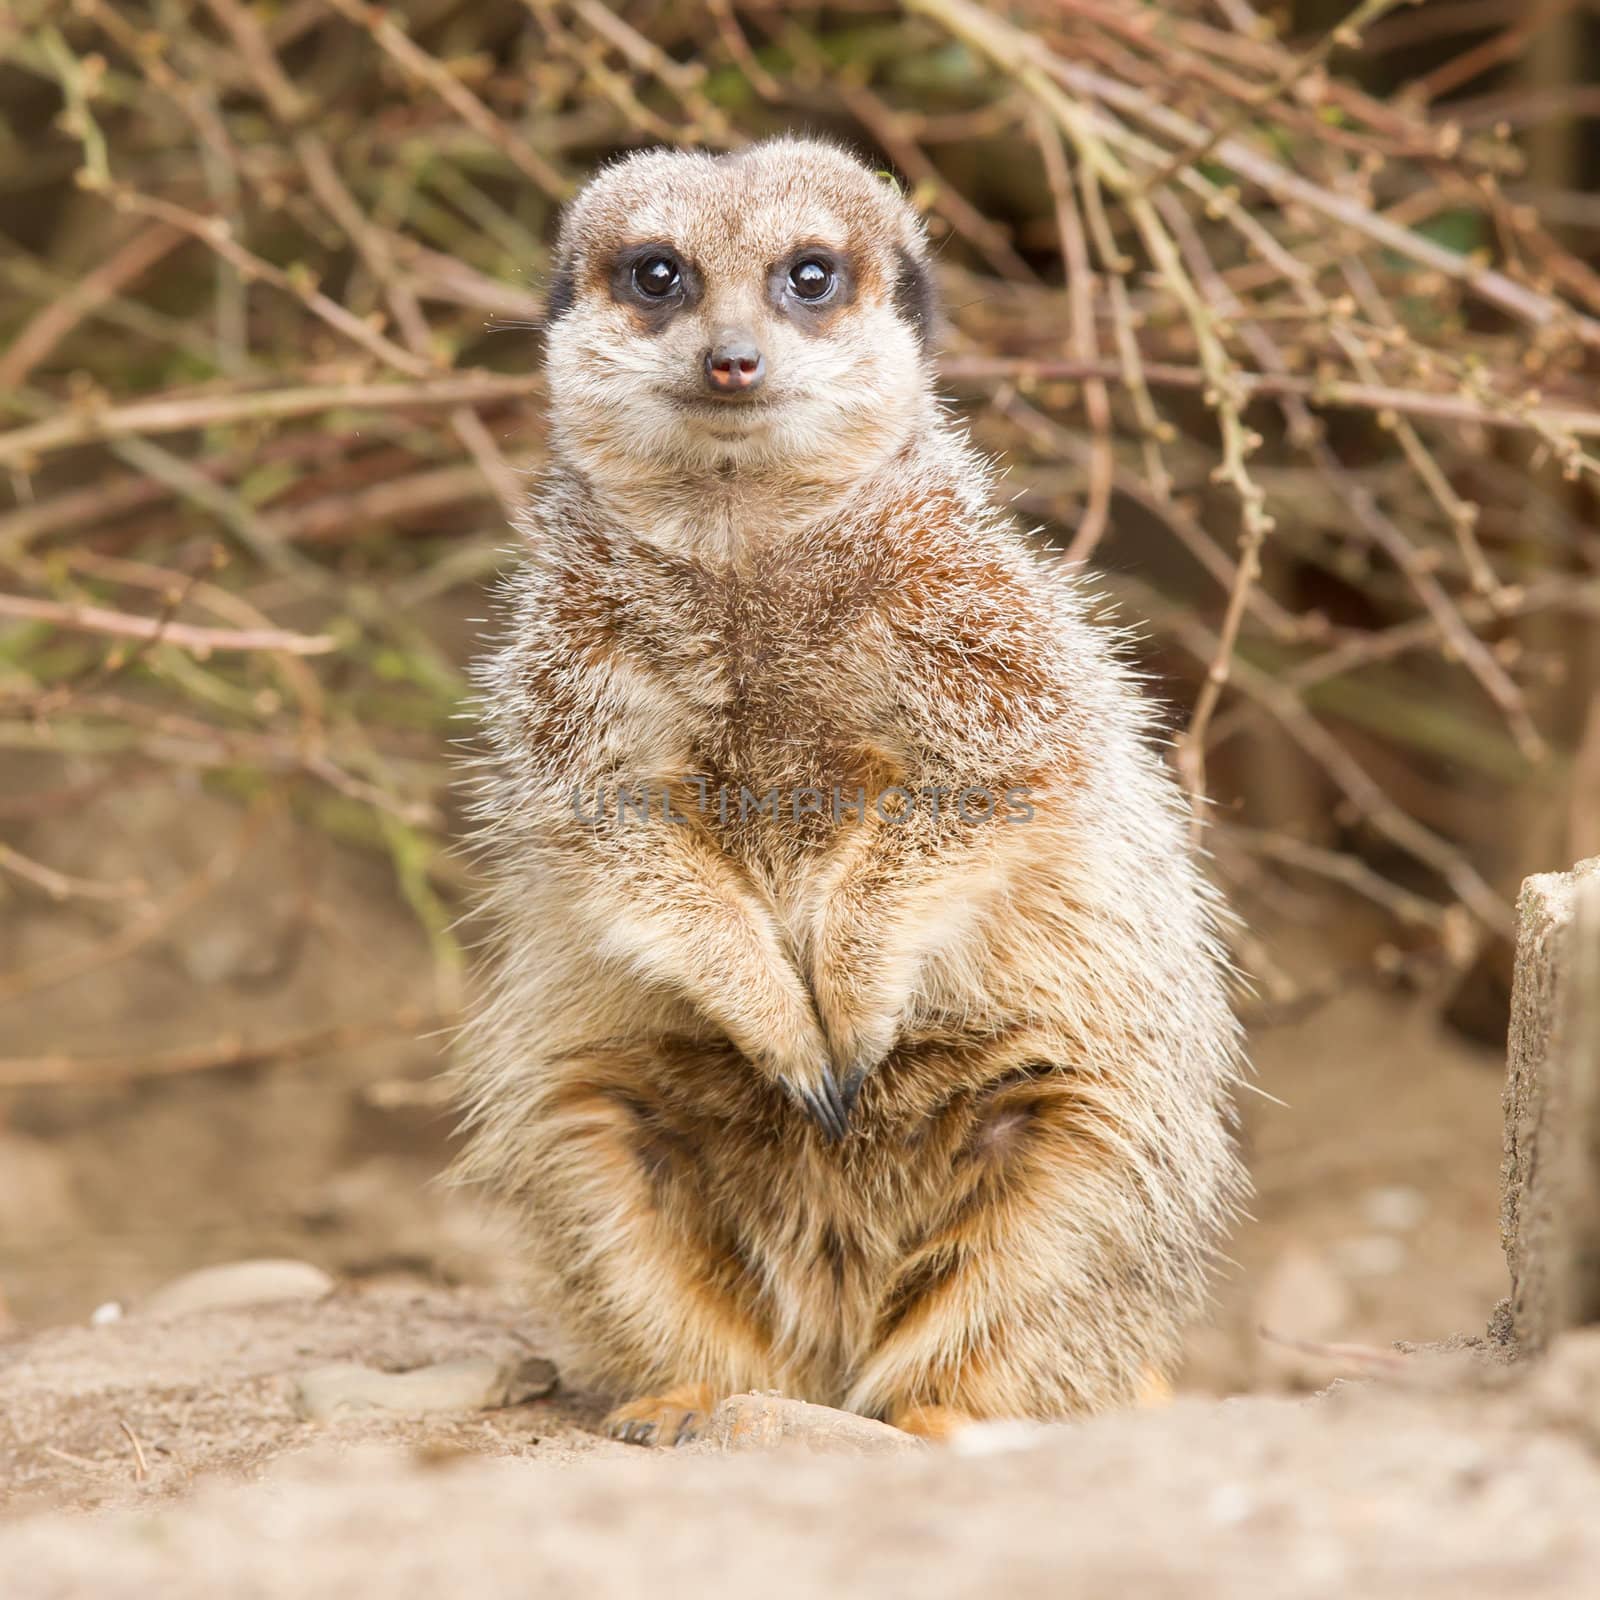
213 1392
1452 1479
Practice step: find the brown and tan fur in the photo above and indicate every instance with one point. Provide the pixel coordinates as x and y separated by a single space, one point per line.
809 592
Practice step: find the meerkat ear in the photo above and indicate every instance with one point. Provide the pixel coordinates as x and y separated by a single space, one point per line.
915 297
562 289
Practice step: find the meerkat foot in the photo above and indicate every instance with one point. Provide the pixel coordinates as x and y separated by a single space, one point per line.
1155 1389
934 1423
672 1418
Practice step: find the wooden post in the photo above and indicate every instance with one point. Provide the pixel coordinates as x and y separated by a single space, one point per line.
1550 1196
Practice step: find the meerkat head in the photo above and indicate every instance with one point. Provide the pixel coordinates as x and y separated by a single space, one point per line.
762 312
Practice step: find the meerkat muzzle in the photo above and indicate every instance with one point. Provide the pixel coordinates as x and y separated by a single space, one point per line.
734 366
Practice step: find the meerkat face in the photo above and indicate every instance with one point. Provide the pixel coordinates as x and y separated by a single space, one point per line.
765 312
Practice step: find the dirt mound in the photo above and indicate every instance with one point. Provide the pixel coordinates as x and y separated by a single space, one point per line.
145 1406
1451 1479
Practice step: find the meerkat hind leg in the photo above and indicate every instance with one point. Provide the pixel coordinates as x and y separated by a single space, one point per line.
1038 1290
641 1264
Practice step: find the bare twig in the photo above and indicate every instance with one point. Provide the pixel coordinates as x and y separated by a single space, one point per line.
1080 288
1344 37
141 1468
62 885
65 1071
138 933
422 67
57 320
1326 393
186 636
22 445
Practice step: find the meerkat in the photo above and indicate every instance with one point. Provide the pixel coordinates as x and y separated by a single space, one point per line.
800 1078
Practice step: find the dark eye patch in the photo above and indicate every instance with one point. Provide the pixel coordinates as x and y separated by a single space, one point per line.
654 280
809 284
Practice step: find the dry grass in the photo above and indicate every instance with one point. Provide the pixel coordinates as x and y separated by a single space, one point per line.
1301 355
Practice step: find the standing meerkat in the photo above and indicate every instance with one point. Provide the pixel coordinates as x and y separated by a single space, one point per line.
855 1019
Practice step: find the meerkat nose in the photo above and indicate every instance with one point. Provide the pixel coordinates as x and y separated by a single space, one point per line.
734 365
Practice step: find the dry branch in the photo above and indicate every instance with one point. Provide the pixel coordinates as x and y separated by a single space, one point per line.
23 445
1332 394
158 630
35 1072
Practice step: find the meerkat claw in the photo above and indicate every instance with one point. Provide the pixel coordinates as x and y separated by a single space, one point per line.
838 1107
850 1090
822 1111
826 1105
659 1421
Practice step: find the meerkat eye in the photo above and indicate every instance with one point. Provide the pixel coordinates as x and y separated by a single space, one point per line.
656 276
811 278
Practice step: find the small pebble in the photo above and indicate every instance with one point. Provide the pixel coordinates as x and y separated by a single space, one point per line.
763 1421
1303 1297
237 1283
1372 1255
997 1438
1229 1504
474 1384
111 1311
1395 1209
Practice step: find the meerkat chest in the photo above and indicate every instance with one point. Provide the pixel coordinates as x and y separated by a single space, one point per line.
806 679
754 689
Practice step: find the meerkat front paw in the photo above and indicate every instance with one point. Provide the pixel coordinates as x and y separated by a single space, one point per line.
859 1036
668 1419
807 1075
827 1101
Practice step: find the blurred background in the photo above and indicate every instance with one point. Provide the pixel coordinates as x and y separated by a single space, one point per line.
1284 319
